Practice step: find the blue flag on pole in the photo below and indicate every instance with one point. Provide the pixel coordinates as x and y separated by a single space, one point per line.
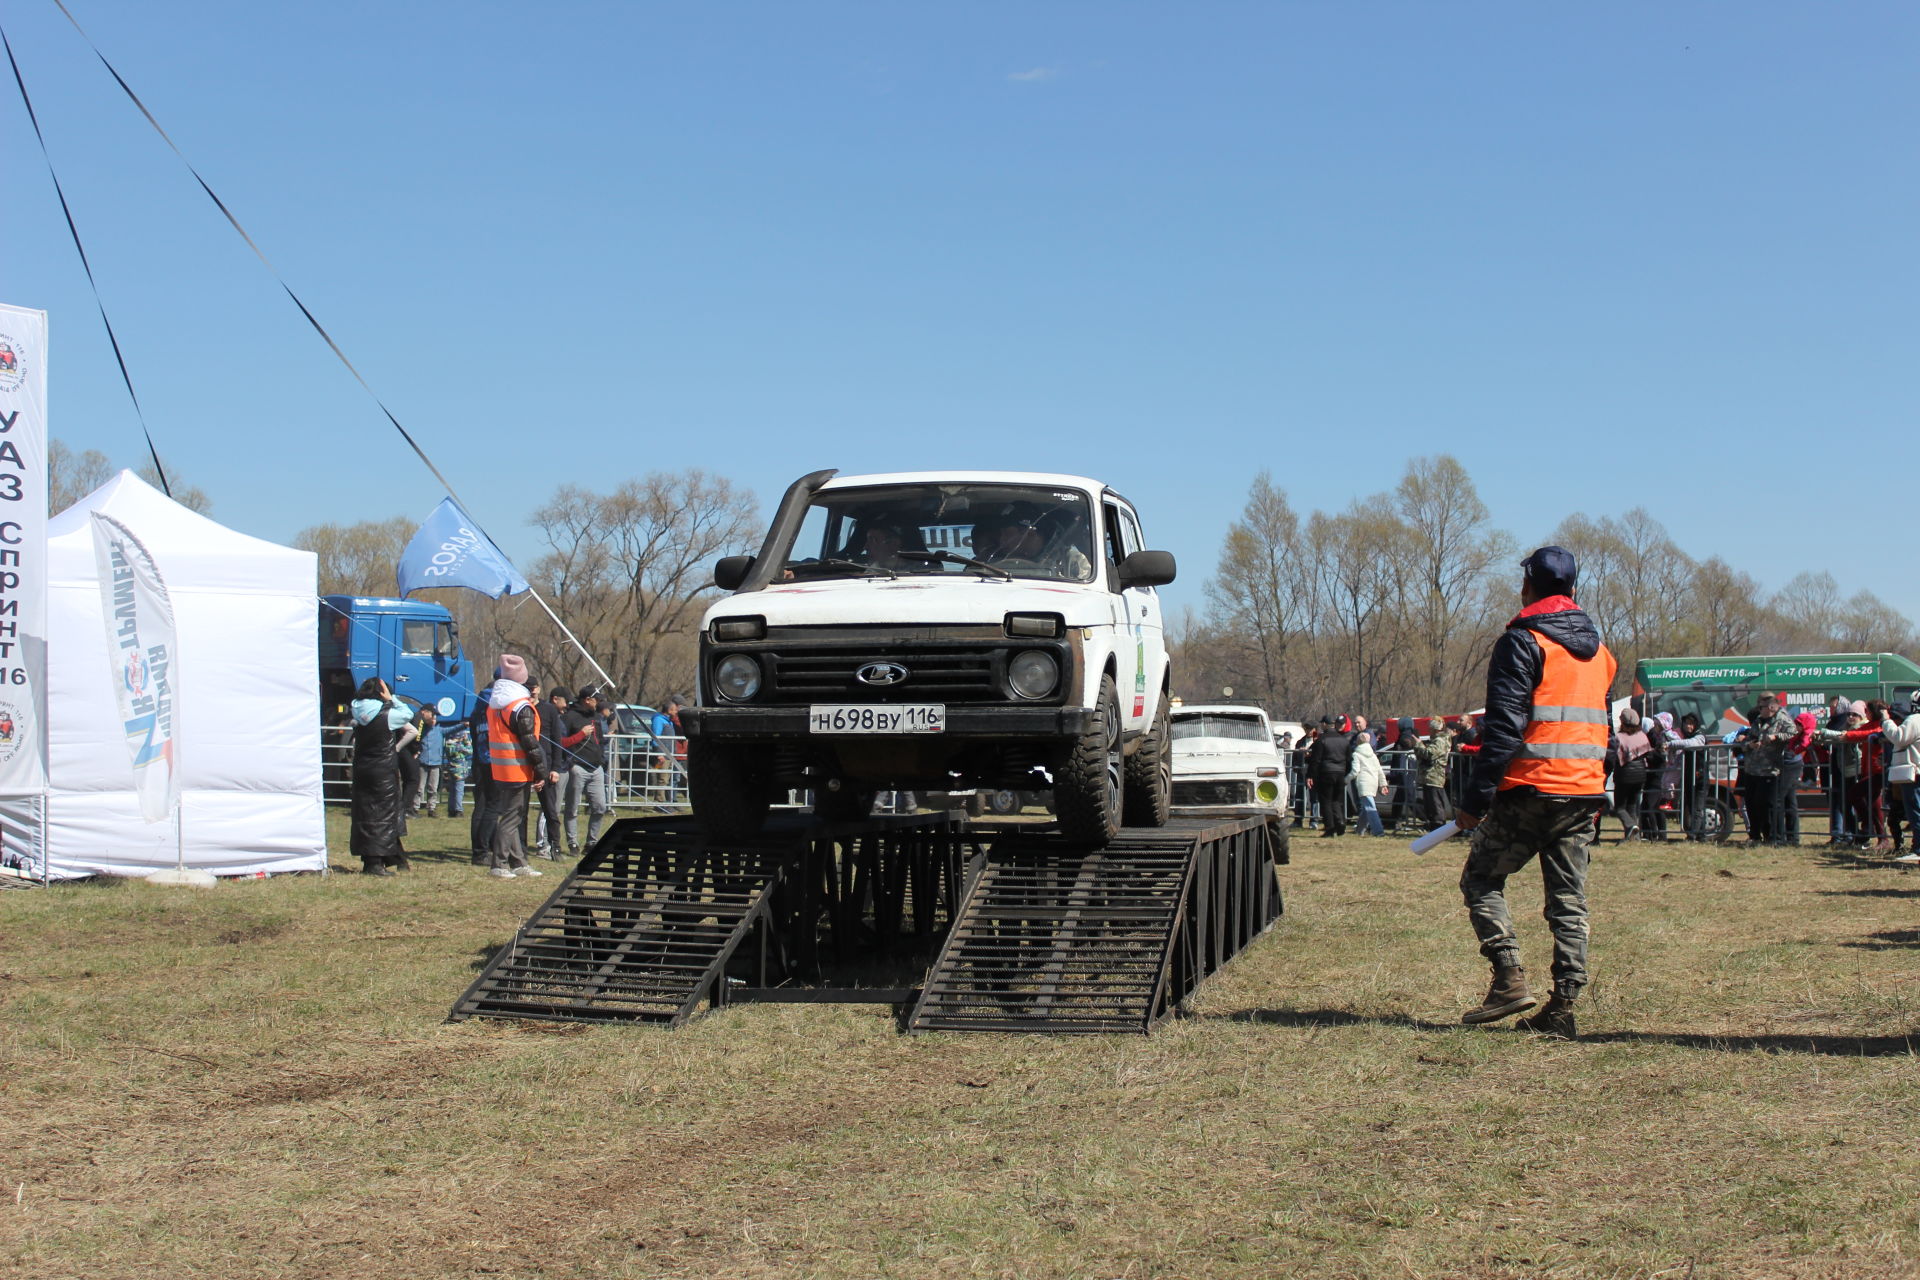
450 552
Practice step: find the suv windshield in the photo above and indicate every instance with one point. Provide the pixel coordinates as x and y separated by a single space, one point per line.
1246 728
990 530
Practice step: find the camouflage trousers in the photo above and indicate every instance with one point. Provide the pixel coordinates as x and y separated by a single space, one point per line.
1519 826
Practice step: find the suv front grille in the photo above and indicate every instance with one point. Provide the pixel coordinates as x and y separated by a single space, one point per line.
959 674
1223 791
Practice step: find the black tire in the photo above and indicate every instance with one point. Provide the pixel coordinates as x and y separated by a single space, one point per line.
729 793
1002 803
1716 821
848 804
1087 785
1149 774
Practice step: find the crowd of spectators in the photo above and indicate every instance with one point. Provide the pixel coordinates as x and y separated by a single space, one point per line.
1669 778
405 759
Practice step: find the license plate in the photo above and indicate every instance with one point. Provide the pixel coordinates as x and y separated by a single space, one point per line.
928 717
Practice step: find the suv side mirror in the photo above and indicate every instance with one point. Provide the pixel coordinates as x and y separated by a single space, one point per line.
730 571
1147 569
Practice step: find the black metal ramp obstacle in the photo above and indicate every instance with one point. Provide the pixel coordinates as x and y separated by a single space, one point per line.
660 920
641 931
1053 936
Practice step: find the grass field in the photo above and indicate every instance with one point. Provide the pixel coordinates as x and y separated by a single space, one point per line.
255 1080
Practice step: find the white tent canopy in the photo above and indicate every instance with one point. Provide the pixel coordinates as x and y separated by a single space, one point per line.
247 700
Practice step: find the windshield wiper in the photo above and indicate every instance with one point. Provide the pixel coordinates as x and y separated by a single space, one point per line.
948 557
844 566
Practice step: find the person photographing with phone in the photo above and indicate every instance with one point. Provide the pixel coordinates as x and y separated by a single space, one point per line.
1538 780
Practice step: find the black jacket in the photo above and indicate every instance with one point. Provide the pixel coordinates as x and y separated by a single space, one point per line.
1513 673
1331 753
588 753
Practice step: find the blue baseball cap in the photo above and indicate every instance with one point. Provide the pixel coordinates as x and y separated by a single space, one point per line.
1551 571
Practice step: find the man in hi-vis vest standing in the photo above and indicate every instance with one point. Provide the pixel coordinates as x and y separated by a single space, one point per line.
517 763
1537 782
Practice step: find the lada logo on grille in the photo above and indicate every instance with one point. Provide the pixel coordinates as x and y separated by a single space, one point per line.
881 673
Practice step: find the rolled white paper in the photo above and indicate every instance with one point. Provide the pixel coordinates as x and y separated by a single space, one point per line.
1434 837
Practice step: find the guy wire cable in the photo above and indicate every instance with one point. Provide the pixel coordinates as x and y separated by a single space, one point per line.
317 326
74 231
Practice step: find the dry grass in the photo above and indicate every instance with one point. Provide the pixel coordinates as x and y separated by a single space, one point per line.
255 1080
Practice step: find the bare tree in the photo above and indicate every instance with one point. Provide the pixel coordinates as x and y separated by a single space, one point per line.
1361 566
1727 609
631 570
1453 549
1261 591
72 476
1868 624
358 559
192 497
1806 613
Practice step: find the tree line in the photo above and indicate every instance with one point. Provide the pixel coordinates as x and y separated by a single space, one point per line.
1391 605
629 570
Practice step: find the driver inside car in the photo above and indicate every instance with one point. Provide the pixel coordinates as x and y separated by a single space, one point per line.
881 545
1023 539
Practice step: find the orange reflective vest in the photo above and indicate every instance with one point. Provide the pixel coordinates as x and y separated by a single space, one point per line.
504 752
1564 749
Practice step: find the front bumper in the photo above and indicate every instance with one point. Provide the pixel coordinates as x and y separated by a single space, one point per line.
789 723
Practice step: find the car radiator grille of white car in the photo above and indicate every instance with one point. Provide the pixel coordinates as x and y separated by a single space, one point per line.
1217 791
935 675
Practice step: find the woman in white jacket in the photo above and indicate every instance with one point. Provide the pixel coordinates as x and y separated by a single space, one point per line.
1368 780
1903 771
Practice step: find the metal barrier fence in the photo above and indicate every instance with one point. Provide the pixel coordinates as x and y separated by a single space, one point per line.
643 772
647 772
336 763
1695 796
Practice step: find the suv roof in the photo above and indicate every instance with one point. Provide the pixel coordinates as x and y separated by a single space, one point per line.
1219 709
964 477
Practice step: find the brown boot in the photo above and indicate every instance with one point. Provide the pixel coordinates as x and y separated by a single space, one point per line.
1554 1019
1507 996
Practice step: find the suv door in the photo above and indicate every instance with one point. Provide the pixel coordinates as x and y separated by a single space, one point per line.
1129 643
1143 614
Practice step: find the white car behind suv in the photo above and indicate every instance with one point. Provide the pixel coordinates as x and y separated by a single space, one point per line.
938 631
1225 755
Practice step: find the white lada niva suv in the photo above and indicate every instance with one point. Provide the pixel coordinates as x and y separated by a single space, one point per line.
938 631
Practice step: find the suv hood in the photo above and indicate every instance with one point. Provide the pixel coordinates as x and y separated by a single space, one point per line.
916 600
1198 755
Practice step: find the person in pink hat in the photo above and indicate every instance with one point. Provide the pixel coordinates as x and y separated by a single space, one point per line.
518 766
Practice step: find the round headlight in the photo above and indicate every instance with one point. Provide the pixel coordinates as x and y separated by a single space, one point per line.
737 677
1033 674
1267 792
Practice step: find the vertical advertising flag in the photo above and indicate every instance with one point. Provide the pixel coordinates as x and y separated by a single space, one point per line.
140 661
23 552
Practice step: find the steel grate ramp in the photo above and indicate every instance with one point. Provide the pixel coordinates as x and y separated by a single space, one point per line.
1059 938
641 931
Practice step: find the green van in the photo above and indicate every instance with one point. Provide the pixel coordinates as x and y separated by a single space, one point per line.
1721 691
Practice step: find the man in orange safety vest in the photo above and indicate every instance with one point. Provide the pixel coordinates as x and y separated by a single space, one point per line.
1537 782
517 766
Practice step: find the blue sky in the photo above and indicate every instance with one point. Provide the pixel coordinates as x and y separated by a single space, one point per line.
1607 255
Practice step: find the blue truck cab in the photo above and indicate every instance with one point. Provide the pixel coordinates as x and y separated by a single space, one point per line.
411 644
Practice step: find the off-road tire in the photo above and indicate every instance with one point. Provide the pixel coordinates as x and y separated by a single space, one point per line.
1087 786
729 793
1149 773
